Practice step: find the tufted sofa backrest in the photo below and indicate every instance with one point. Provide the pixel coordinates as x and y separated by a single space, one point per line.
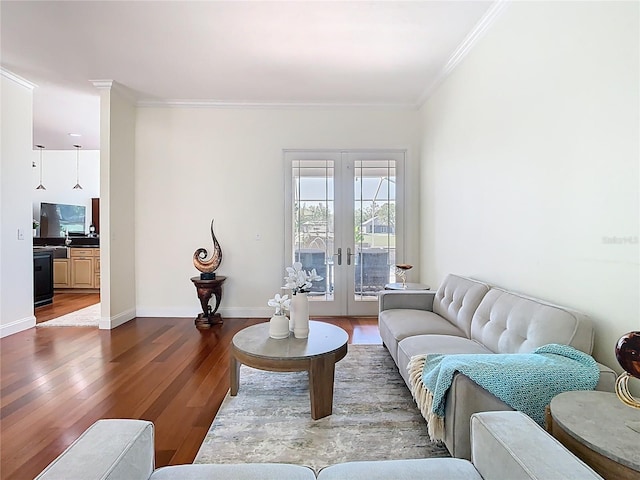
457 299
506 322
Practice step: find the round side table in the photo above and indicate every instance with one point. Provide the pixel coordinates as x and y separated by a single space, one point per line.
317 354
206 289
592 425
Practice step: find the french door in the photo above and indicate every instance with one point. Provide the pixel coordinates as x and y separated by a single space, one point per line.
344 218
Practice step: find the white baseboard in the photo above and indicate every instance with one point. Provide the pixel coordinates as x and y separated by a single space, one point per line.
109 323
255 312
17 326
191 312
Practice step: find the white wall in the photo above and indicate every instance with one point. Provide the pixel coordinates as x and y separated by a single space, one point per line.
16 253
117 207
195 164
59 177
530 175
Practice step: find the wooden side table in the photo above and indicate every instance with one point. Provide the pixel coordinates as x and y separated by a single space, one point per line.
592 425
206 289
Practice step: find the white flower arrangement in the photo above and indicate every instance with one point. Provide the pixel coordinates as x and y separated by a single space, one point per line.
280 303
299 281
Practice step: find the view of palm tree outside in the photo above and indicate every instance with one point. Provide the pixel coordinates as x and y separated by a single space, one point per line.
374 237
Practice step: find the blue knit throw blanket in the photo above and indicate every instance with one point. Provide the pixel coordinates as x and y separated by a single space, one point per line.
526 382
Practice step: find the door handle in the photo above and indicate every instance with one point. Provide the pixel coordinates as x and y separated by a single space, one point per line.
349 255
339 255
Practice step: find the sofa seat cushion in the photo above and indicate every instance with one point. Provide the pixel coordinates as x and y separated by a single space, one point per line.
418 469
422 344
245 471
398 324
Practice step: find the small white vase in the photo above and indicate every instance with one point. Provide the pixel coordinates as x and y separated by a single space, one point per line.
300 315
279 326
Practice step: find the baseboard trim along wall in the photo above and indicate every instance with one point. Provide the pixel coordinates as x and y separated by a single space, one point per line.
192 312
17 326
109 323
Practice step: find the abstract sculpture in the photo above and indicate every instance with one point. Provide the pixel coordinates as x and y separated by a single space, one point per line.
206 266
628 355
401 271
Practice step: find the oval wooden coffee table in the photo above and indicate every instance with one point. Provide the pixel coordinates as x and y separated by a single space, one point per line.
318 354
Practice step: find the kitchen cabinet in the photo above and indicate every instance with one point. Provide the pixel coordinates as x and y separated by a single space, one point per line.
61 273
96 268
95 214
83 267
80 270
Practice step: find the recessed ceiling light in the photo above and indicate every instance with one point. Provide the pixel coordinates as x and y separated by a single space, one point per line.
75 135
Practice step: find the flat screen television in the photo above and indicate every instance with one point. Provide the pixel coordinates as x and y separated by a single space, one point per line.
58 218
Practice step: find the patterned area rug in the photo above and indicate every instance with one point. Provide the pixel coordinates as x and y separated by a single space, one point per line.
374 417
87 317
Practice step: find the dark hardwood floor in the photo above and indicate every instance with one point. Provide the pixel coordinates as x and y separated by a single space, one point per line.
64 303
56 382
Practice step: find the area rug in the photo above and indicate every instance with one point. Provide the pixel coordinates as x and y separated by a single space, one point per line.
87 317
374 417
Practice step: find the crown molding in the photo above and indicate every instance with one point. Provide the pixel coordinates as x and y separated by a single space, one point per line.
17 79
265 105
116 87
487 20
102 84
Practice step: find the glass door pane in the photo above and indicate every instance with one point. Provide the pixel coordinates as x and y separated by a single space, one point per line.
344 221
313 222
374 204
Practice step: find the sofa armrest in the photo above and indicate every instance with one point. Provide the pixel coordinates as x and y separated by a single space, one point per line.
607 380
465 397
414 300
510 445
115 449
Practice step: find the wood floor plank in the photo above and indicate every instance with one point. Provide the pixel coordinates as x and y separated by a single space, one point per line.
65 302
56 382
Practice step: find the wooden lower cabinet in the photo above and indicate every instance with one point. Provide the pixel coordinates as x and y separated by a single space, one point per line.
61 273
96 268
80 270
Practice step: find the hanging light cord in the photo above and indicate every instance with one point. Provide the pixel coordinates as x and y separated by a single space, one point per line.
77 185
40 186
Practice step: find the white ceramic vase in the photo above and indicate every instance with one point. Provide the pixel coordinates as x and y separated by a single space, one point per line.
279 327
299 309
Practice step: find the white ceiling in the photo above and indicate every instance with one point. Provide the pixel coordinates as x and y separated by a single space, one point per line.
226 52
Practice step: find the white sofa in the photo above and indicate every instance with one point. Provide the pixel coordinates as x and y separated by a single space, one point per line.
505 445
468 316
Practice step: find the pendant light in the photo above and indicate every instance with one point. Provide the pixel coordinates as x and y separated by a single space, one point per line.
77 185
40 186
